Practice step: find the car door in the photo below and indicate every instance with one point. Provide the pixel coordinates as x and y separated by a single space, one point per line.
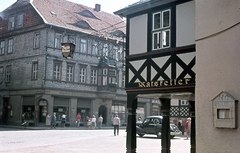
150 126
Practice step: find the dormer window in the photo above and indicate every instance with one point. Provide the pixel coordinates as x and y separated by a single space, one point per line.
83 25
11 23
88 14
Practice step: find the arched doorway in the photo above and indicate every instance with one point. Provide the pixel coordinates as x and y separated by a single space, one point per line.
103 111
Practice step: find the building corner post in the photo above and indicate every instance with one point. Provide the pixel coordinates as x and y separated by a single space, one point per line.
131 124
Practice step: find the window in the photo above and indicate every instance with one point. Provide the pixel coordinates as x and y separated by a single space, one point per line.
112 76
94 76
115 52
58 40
10 45
2 47
20 20
161 29
105 50
11 23
71 39
8 74
83 46
57 71
34 71
105 76
70 73
1 74
94 49
82 74
123 79
36 41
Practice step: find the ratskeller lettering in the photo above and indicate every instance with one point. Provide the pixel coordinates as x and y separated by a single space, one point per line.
165 83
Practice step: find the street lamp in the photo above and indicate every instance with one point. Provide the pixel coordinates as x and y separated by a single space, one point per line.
68 50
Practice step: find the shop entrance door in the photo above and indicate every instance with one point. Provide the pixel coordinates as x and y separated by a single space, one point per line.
42 111
103 111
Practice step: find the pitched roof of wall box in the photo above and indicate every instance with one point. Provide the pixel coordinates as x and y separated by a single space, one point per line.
73 16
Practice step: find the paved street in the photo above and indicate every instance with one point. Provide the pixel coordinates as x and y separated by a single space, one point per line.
80 141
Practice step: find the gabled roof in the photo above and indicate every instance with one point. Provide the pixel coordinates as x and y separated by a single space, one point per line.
66 14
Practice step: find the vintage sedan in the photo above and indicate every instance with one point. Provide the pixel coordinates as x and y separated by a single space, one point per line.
153 125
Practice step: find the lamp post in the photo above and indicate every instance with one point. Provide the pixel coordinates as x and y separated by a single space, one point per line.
68 50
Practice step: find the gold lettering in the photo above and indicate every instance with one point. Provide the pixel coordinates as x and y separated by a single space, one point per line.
175 81
161 82
171 82
180 82
141 84
156 84
148 84
166 83
152 84
186 81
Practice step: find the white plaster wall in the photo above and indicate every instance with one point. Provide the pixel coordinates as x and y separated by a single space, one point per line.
138 35
185 24
217 69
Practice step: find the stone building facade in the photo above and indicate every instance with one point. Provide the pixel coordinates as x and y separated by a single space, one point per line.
34 77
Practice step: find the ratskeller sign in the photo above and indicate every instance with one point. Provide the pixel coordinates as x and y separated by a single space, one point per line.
162 83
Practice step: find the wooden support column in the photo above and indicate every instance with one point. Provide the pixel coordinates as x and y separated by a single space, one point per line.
131 124
193 127
165 108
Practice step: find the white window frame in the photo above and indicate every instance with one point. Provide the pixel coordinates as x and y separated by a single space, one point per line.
70 73
11 23
57 67
161 35
10 46
82 74
58 40
34 70
36 41
2 47
93 76
83 45
20 20
8 74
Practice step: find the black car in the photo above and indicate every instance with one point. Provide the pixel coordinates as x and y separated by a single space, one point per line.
153 125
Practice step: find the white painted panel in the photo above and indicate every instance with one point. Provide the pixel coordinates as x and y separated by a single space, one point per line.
138 35
186 58
185 24
137 65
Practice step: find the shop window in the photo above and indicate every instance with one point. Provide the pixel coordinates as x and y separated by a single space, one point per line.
28 110
59 110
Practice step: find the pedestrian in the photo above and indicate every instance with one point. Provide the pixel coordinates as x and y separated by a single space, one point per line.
63 120
78 119
100 120
93 122
53 121
24 123
48 121
180 127
188 127
116 124
89 123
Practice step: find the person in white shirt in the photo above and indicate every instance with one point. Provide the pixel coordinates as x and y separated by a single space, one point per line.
93 122
116 124
63 120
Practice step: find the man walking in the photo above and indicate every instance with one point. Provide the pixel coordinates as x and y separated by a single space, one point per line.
116 124
78 118
100 120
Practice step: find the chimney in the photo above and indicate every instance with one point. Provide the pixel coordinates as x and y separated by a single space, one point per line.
97 7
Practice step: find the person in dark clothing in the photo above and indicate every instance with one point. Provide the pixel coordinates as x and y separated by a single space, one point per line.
24 123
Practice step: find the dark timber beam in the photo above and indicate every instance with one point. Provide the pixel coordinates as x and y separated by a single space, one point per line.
131 124
193 127
165 108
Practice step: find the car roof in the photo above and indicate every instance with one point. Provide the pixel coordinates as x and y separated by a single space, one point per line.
155 117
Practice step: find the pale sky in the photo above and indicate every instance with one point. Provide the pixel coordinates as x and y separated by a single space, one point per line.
109 6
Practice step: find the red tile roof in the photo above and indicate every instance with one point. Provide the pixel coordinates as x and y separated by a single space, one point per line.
66 14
